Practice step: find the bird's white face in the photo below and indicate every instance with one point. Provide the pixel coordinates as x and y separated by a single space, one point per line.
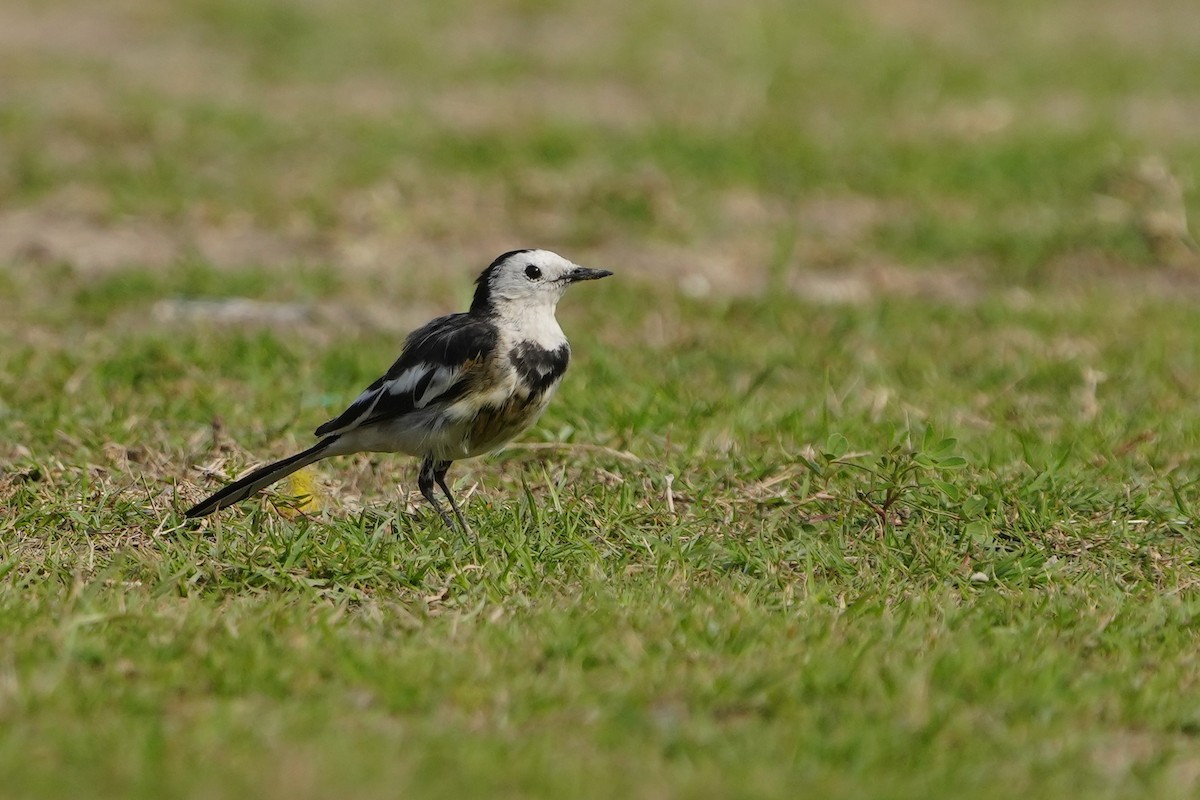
526 280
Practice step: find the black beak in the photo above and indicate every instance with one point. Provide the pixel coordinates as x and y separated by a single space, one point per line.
585 274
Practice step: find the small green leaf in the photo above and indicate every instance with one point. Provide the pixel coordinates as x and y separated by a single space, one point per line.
945 446
978 532
974 505
836 446
924 460
811 465
949 490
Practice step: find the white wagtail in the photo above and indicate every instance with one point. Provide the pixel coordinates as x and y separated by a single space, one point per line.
464 384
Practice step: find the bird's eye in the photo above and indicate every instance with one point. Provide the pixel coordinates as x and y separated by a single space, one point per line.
532 272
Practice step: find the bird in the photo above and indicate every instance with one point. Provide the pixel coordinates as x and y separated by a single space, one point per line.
465 384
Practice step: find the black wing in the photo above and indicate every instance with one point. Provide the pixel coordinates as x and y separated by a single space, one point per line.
435 365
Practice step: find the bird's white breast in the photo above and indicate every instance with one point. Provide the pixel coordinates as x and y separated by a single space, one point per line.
534 324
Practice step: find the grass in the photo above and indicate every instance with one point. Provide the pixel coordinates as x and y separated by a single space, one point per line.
874 475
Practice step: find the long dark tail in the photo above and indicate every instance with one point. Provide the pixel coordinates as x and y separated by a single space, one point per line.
261 478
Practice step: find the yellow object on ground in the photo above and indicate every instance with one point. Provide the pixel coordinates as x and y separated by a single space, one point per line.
302 485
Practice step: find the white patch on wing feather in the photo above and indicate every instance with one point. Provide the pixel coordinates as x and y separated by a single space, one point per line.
442 380
406 381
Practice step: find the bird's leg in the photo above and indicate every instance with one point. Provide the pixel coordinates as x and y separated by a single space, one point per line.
439 475
425 479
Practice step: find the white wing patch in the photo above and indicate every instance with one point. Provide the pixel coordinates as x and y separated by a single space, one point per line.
403 383
442 380
407 381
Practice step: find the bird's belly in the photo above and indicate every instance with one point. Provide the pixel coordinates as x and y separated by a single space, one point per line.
492 428
467 428
496 422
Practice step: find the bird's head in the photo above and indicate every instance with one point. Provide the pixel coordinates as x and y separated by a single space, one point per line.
526 280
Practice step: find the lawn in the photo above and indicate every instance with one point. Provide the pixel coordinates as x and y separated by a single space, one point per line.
876 473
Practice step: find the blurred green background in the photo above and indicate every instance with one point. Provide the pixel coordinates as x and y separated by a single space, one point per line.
731 146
